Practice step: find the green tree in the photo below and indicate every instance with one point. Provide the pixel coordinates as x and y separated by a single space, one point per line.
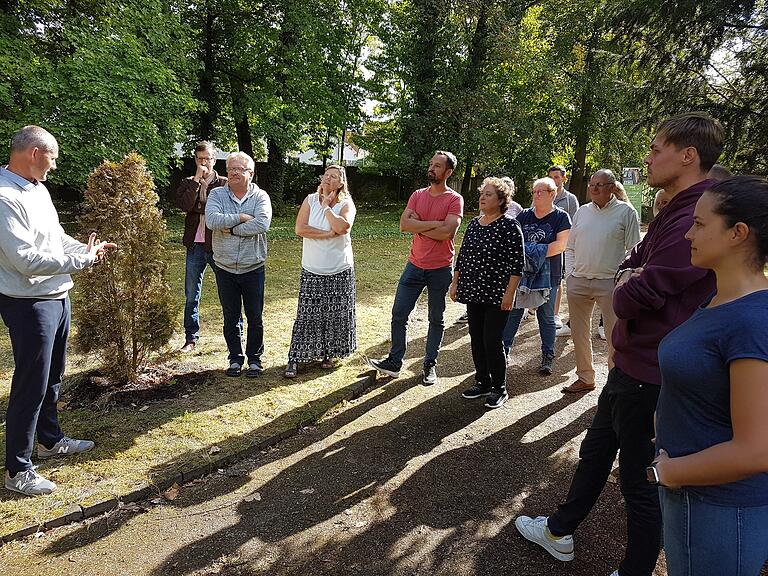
104 77
710 56
125 310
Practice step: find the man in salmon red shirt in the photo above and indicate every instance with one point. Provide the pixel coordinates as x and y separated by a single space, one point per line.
433 216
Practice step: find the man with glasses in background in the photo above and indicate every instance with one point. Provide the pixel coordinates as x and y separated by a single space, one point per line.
603 232
191 197
239 215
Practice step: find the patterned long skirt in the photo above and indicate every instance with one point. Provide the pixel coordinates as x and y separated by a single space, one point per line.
325 325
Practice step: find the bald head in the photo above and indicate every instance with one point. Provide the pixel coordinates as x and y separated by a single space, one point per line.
719 172
660 200
606 175
33 153
33 137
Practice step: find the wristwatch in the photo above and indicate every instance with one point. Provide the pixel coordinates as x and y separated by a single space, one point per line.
652 474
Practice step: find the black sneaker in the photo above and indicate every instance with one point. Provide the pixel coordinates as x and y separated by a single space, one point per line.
254 370
385 366
429 376
476 391
497 398
546 364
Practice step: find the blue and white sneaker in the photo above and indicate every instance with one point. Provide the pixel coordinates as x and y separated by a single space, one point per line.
29 483
64 447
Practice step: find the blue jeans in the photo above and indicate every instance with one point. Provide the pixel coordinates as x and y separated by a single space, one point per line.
411 285
38 330
702 539
238 292
197 260
545 314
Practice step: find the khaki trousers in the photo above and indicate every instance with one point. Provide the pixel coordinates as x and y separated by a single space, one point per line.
583 294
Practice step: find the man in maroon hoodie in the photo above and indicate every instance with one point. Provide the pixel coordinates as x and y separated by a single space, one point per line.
656 290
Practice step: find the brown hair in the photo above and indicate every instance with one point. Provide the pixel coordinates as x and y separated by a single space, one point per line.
557 167
697 130
503 192
745 199
205 146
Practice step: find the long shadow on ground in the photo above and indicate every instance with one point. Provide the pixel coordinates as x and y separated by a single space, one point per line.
89 534
453 492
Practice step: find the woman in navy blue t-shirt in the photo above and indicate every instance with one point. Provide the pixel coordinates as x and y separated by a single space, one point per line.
712 414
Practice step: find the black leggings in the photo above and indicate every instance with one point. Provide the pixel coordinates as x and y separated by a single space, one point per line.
486 326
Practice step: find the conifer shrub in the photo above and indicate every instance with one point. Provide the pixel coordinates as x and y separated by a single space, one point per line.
124 310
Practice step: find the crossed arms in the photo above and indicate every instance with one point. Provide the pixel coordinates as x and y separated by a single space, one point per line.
435 229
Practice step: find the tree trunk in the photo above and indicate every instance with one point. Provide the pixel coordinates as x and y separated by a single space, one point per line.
274 180
579 177
207 92
341 146
419 123
240 114
466 182
583 124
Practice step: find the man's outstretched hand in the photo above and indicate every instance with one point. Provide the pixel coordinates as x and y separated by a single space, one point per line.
97 248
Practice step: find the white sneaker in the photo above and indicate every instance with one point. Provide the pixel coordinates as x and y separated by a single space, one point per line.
535 530
564 330
558 322
29 483
601 333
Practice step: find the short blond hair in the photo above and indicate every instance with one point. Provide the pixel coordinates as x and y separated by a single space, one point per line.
546 181
241 156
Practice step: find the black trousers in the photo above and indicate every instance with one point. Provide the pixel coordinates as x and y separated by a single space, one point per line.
624 423
39 330
486 327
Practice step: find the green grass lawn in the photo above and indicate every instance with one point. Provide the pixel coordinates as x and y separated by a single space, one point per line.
215 415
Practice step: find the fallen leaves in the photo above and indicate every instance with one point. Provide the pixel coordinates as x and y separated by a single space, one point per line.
172 493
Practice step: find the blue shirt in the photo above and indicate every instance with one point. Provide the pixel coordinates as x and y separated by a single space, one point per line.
544 231
694 409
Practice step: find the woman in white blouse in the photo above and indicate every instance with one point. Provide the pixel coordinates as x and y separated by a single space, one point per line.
325 317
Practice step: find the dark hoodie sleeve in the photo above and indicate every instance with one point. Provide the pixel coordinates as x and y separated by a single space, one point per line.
667 271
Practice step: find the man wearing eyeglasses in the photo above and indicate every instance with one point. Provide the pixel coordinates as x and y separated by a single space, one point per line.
191 197
239 215
603 232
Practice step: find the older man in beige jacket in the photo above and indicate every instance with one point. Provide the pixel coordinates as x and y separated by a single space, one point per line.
603 231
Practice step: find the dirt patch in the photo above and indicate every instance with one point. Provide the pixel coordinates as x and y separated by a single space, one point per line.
94 390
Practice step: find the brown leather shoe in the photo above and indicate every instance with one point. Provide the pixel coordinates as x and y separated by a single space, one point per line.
187 348
578 386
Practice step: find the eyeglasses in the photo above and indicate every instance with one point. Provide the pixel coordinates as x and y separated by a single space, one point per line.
599 184
547 191
204 158
237 170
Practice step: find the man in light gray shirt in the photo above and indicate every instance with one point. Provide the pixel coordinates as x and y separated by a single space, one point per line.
603 232
36 260
239 215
